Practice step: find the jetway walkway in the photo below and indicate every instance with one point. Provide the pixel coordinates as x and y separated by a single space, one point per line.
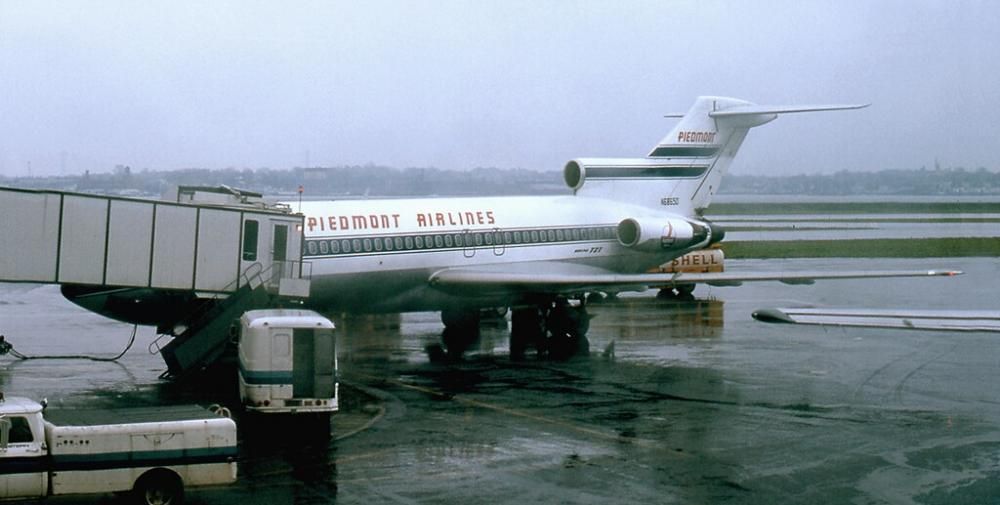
186 265
58 237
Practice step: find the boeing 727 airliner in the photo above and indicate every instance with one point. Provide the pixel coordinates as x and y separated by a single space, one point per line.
172 264
534 254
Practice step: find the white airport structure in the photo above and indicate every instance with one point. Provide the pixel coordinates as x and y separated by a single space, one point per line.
190 265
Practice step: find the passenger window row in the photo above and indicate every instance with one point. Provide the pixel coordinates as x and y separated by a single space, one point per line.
459 240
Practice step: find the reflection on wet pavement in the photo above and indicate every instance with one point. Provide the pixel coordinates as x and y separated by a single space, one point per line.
698 403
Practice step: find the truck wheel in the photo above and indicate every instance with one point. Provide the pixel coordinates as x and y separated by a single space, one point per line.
159 487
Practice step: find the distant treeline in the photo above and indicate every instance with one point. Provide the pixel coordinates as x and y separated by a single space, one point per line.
386 181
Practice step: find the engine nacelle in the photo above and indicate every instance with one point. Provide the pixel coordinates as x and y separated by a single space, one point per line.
657 234
577 171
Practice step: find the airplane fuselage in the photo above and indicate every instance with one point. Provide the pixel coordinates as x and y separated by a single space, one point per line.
377 255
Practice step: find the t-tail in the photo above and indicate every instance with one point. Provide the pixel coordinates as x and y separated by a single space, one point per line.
684 170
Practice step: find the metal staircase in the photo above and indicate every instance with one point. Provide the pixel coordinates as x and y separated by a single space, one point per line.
207 332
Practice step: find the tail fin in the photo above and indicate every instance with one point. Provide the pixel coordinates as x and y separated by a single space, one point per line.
683 171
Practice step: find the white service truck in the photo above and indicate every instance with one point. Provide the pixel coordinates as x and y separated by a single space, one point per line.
152 453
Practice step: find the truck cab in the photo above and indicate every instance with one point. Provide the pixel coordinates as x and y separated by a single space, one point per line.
23 469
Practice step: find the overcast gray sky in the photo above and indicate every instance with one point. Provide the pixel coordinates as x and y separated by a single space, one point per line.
163 85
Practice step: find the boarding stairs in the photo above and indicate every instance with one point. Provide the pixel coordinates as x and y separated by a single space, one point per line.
203 337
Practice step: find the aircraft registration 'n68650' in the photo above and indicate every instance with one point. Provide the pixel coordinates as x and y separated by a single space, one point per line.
535 254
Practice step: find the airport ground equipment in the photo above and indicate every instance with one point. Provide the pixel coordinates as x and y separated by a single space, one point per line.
190 263
288 362
707 260
154 453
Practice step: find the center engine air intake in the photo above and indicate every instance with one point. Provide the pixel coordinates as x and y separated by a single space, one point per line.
574 174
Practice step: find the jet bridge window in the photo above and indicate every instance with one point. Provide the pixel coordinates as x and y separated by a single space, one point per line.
250 228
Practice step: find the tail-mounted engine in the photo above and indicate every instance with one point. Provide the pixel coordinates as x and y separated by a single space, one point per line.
658 234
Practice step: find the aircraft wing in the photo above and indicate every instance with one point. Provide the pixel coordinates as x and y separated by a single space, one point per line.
569 278
950 320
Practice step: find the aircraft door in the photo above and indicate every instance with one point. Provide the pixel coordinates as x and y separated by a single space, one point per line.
468 244
499 242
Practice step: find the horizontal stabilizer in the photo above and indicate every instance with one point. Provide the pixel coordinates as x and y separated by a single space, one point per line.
751 110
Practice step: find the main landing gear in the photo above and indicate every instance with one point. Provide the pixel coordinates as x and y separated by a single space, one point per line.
461 330
556 329
682 291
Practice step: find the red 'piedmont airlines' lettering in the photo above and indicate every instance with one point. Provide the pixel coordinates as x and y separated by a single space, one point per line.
392 221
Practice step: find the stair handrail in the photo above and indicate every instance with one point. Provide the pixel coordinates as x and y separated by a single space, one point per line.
201 313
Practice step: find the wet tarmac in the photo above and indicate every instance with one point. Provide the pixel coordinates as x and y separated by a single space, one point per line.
680 401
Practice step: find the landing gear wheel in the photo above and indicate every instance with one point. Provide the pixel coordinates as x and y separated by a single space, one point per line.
666 294
685 289
568 326
159 487
461 331
526 329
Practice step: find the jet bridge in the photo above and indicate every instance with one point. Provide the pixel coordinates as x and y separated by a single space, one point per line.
165 262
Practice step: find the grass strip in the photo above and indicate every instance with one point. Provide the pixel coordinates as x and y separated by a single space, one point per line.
864 248
854 208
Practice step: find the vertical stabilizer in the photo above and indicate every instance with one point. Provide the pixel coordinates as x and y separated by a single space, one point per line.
683 171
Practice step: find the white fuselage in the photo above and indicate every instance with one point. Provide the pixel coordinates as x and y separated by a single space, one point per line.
377 255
